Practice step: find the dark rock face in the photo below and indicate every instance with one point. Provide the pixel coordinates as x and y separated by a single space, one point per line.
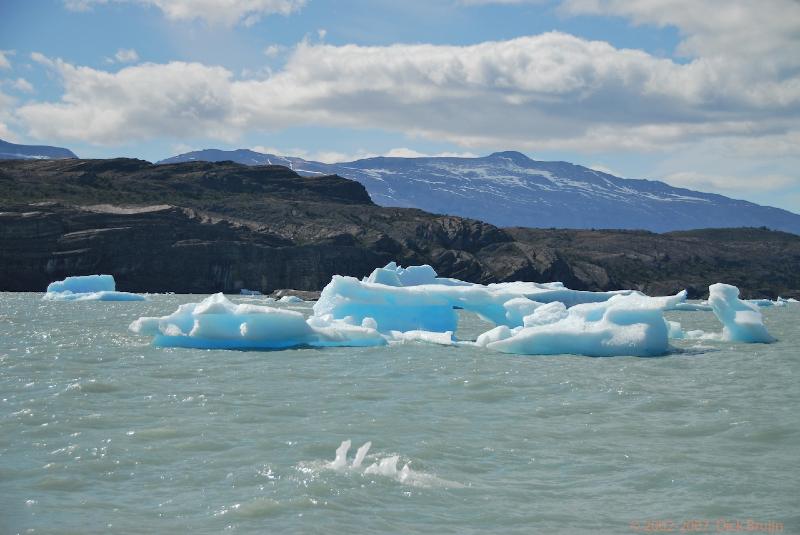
201 227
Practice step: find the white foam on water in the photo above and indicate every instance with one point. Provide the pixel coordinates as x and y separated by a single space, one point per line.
384 466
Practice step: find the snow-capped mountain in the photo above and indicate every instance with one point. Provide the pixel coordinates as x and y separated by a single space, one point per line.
12 151
510 189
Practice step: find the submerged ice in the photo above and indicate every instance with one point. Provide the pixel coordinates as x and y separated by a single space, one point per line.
400 305
88 288
386 466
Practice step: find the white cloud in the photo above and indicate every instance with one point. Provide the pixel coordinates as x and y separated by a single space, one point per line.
729 183
21 84
226 12
7 103
139 102
273 51
329 156
5 63
737 30
126 55
549 91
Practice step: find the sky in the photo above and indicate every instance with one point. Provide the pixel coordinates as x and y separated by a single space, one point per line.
703 94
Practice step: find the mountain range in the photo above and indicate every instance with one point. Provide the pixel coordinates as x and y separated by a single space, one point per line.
12 151
508 189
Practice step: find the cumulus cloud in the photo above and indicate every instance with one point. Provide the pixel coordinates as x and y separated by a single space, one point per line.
273 51
227 12
126 55
148 100
549 91
21 84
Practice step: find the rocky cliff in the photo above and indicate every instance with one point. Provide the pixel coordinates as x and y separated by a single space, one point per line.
204 227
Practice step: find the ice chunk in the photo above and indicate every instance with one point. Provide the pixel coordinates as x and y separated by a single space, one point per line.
501 332
393 275
290 299
741 321
361 453
83 284
675 330
624 325
245 291
88 288
217 323
519 307
340 461
430 307
546 314
767 302
443 339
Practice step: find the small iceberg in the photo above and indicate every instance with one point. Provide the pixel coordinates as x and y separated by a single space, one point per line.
245 291
217 323
88 288
625 325
741 320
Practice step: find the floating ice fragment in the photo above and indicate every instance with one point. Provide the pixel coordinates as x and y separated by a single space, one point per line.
361 453
341 456
741 321
217 323
290 299
88 288
624 325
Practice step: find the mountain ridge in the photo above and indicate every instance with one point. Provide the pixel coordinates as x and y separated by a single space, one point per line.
14 151
509 189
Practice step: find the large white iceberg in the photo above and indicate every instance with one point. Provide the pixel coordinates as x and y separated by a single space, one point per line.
741 321
429 303
400 305
217 323
624 325
88 288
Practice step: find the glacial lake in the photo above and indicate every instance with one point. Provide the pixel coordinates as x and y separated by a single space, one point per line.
102 433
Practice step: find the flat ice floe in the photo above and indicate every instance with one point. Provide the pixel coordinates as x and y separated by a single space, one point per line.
402 305
88 288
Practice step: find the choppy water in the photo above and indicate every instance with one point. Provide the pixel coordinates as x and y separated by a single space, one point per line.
99 432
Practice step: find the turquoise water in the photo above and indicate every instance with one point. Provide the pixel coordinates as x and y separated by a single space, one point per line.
99 432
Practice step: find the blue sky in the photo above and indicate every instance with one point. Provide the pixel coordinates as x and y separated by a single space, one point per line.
703 94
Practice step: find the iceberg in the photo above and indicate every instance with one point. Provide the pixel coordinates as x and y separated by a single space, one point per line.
217 323
631 325
88 288
290 299
396 305
741 320
393 275
430 303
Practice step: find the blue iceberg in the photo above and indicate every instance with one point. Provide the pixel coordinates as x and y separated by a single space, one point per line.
88 288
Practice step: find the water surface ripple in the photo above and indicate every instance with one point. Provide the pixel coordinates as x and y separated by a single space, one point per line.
100 432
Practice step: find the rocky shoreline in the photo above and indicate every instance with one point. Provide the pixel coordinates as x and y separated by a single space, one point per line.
207 227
